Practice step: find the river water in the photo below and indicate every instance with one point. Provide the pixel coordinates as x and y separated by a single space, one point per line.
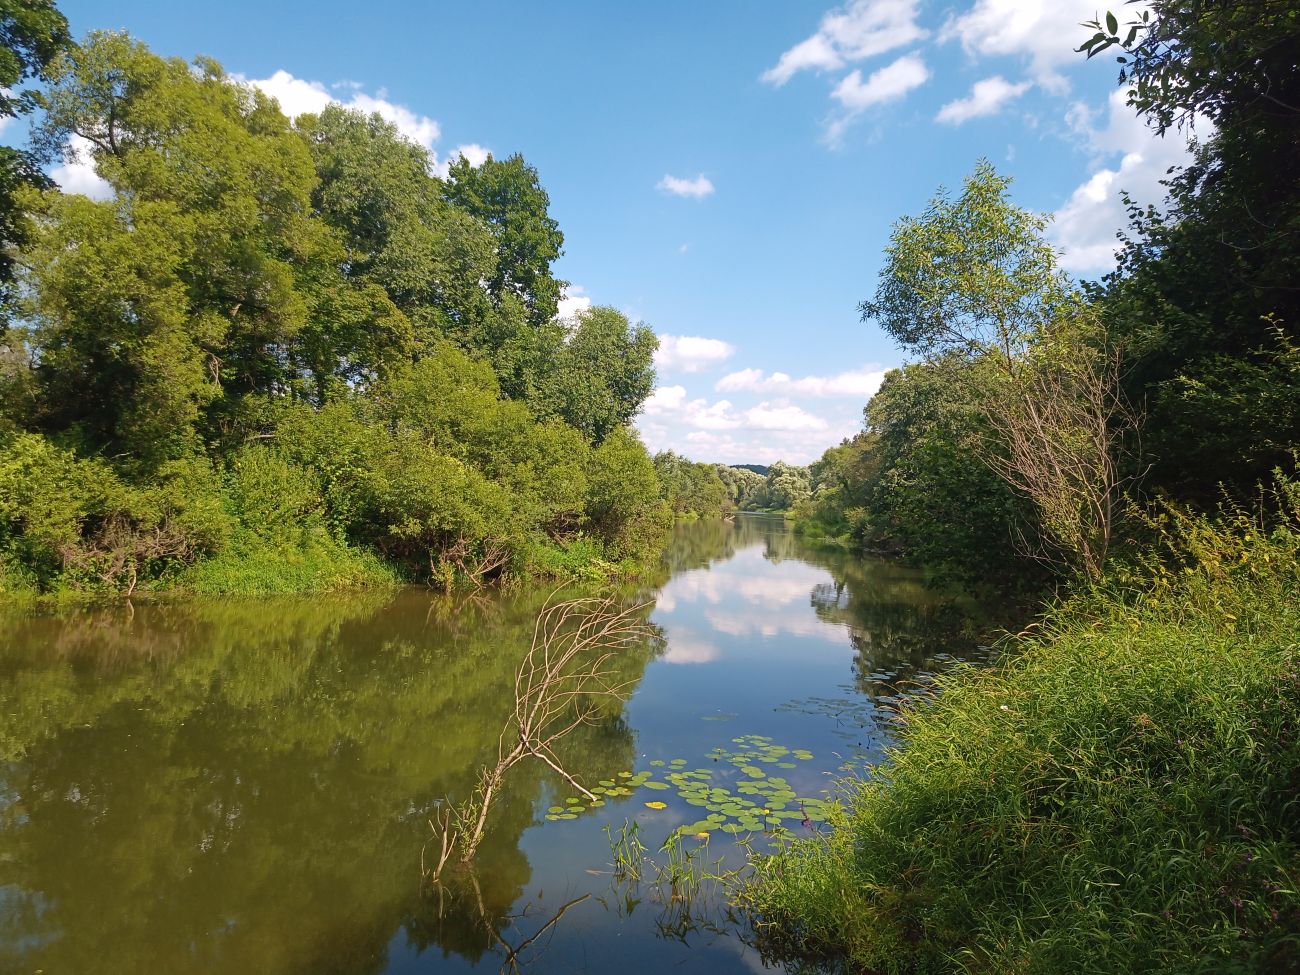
247 786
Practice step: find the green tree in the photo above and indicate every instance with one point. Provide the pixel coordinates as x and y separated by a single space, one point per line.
1204 294
205 284
508 197
32 34
603 371
973 286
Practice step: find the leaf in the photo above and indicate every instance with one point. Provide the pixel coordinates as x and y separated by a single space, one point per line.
1112 24
656 805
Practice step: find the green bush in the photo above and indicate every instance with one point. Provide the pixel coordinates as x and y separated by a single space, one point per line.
1121 795
73 523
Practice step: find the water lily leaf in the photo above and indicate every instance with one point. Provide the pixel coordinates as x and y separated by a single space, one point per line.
573 801
656 805
657 761
785 765
556 809
656 785
625 775
566 816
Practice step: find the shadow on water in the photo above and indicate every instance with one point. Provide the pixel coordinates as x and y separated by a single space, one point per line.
236 786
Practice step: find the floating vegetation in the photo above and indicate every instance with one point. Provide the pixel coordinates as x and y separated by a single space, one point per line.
759 802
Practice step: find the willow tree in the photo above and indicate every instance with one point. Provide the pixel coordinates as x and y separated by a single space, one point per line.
972 286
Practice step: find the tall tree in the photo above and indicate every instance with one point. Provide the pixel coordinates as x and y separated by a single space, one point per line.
32 34
507 195
603 370
972 283
162 315
1205 290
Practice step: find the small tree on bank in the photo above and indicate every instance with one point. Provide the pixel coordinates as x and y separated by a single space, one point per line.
973 287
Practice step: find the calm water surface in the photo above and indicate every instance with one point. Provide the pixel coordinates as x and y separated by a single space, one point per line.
246 786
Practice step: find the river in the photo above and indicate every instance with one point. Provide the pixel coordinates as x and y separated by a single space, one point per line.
243 786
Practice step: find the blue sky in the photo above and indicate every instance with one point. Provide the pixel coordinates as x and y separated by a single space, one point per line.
725 171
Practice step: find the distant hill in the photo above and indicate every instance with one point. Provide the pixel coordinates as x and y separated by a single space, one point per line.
759 469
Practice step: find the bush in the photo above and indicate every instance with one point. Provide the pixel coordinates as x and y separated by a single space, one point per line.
1122 795
74 523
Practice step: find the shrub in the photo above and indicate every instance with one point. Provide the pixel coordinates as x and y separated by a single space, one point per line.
1122 794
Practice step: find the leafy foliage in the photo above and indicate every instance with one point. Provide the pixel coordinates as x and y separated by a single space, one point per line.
362 357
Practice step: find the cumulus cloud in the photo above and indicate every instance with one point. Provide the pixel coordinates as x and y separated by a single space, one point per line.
1045 32
77 174
1085 226
697 188
691 353
859 30
298 96
860 383
782 416
889 83
665 399
573 300
473 153
986 98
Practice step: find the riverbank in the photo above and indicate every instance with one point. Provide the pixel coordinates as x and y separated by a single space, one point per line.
1121 795
315 565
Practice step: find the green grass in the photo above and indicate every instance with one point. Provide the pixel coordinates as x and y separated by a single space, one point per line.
1121 795
257 567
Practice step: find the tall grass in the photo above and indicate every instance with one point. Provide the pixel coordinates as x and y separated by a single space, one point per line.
1121 795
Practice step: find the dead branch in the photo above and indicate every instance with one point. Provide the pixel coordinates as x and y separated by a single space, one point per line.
569 669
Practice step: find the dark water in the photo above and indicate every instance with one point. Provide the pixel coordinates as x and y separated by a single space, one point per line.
246 786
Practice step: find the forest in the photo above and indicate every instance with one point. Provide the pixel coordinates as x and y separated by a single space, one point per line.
287 356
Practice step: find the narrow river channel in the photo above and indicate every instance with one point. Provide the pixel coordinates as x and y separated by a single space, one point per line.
246 786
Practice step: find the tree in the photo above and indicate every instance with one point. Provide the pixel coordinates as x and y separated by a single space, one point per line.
1223 61
508 197
602 372
1204 295
32 34
973 286
164 315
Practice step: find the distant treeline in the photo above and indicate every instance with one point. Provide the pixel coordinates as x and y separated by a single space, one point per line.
286 354
694 489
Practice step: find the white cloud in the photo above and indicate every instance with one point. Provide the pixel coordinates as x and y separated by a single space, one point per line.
77 174
473 153
665 399
986 98
860 383
691 353
670 402
297 96
859 30
1046 32
782 416
572 301
685 646
1085 226
697 188
889 83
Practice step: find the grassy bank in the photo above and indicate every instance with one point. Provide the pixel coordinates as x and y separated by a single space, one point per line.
1121 795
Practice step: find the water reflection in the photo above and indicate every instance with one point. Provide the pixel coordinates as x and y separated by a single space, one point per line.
246 785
